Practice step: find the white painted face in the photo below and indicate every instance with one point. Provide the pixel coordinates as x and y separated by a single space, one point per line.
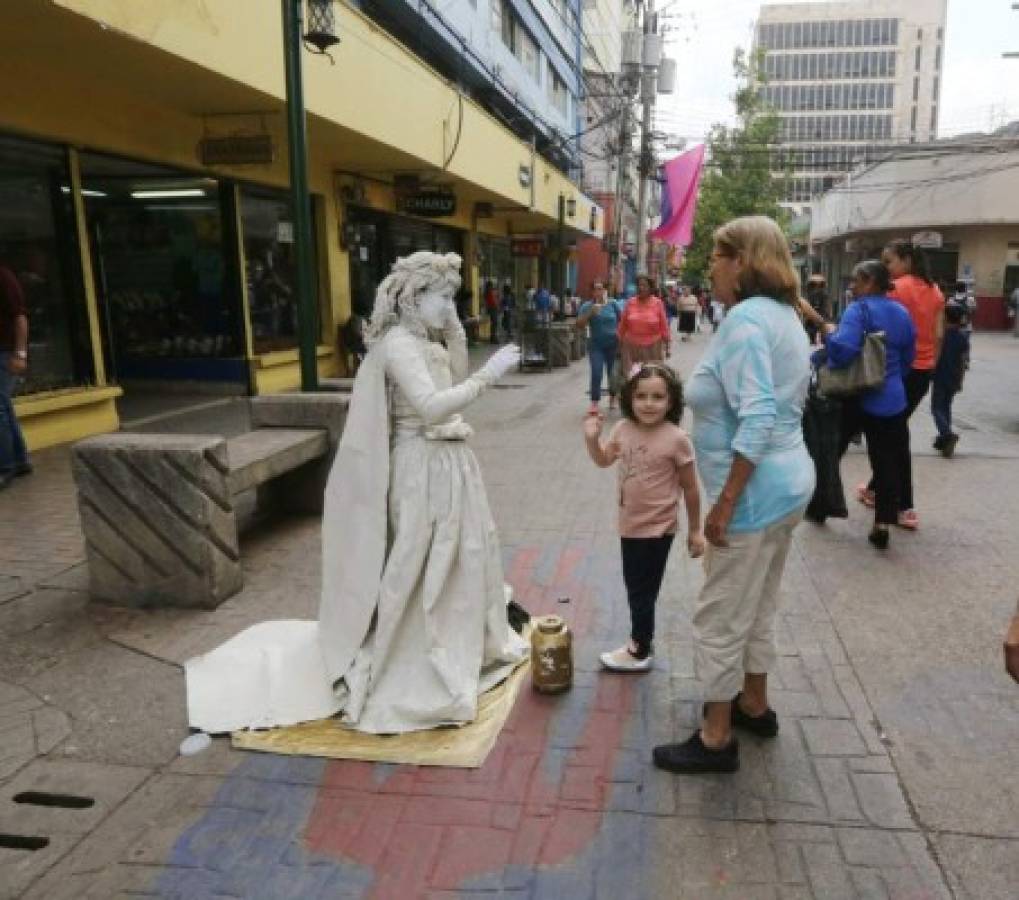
435 306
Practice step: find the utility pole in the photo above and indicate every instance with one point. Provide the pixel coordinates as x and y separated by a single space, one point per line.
622 175
651 53
297 138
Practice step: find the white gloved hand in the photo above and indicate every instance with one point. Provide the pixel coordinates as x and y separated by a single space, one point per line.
499 363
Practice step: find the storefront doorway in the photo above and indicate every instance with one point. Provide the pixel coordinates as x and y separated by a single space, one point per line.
167 287
38 248
377 240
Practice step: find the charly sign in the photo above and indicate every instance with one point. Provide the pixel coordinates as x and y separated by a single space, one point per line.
429 203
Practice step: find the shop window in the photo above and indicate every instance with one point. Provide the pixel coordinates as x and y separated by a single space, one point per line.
268 232
168 288
38 245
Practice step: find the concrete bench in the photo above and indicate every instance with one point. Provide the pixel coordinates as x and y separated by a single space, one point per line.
162 513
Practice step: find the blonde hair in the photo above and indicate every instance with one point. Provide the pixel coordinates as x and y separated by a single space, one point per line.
767 264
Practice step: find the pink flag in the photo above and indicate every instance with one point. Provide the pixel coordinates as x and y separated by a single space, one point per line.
679 197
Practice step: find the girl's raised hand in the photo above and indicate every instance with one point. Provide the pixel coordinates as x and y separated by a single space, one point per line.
593 424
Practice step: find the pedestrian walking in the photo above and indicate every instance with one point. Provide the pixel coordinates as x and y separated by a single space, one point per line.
13 364
913 287
1012 647
655 470
644 334
491 298
542 305
747 396
953 361
508 304
600 316
688 309
818 309
717 308
879 413
670 300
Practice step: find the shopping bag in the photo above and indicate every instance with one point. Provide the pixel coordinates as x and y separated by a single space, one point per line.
822 422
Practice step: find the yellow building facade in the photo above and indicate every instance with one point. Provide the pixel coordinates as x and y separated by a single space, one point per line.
146 266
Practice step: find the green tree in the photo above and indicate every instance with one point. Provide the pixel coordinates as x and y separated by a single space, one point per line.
738 178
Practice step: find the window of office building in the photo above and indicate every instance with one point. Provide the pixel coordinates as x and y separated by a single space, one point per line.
919 52
557 93
937 88
934 121
937 58
38 247
527 52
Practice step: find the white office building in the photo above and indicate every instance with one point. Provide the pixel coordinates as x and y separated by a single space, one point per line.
848 78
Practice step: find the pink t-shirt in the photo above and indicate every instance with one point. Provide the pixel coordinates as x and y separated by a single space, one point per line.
648 472
643 322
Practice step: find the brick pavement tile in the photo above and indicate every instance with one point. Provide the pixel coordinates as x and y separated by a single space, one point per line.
827 873
789 863
869 884
881 800
446 811
839 796
871 847
832 738
467 850
408 860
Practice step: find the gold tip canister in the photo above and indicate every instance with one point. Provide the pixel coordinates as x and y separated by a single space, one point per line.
551 655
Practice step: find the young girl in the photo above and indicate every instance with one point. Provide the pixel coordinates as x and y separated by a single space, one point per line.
656 465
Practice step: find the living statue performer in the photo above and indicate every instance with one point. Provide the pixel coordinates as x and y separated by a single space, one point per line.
413 617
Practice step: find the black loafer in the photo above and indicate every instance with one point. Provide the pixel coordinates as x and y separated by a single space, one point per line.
693 758
765 725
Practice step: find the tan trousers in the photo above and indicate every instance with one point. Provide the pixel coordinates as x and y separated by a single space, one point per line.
734 616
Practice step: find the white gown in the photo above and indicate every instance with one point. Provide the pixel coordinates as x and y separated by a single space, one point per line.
412 624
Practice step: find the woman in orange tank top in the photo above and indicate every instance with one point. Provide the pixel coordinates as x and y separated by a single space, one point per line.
913 287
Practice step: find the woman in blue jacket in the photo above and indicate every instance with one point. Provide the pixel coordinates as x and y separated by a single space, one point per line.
879 413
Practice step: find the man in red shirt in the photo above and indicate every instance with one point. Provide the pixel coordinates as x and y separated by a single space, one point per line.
13 363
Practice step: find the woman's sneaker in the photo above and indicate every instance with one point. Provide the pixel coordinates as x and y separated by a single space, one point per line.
622 660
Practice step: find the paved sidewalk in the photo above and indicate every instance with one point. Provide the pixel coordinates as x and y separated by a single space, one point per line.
896 773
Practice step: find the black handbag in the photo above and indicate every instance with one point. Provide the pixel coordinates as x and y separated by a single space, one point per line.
822 424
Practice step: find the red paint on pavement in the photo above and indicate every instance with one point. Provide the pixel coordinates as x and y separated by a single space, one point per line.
424 828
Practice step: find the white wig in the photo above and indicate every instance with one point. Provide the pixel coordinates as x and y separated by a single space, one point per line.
396 300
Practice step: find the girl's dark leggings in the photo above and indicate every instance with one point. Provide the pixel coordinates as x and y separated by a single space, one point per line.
644 562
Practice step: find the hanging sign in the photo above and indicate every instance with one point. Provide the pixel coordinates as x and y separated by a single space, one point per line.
432 204
237 150
527 246
929 239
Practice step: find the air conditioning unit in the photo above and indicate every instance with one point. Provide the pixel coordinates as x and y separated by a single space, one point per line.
633 42
667 76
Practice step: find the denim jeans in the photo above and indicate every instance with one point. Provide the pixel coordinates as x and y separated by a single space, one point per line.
941 408
603 358
13 452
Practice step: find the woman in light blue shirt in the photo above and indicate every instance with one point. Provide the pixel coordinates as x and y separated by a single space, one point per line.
601 317
746 395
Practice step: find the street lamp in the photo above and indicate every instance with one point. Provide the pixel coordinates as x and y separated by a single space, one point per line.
322 35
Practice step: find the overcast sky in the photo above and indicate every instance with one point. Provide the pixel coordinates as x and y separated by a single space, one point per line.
980 90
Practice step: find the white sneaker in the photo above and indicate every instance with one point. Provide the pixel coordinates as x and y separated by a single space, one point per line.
622 660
